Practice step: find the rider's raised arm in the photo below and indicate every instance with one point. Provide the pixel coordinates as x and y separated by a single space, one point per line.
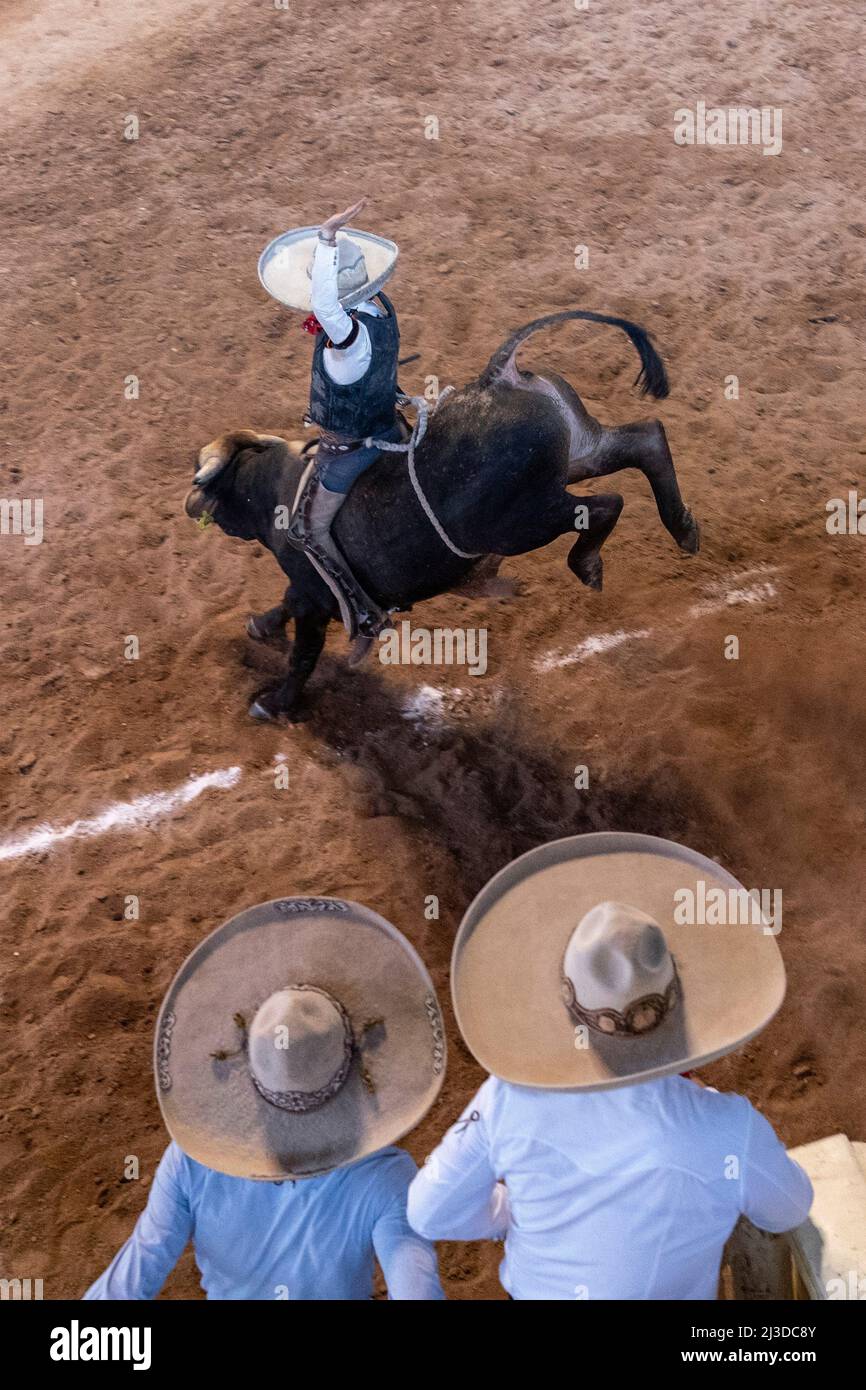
324 287
323 293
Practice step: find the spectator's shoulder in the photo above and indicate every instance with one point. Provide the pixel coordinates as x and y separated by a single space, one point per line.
723 1109
174 1163
388 1171
491 1096
177 1173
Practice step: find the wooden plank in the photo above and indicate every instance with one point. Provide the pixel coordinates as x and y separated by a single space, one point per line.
829 1249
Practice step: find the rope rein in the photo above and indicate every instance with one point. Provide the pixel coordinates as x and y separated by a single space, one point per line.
419 429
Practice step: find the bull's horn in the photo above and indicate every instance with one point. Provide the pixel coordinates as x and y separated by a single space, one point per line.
209 468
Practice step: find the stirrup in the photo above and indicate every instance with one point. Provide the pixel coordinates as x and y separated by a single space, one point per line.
369 633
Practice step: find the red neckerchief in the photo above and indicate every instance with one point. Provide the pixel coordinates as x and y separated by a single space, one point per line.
311 325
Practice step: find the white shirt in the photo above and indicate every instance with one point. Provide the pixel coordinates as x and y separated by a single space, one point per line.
311 1239
343 365
623 1194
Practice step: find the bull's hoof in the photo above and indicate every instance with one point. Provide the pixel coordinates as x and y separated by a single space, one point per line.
689 538
259 711
259 631
267 705
590 570
268 708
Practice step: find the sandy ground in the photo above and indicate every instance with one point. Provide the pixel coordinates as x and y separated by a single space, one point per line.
138 258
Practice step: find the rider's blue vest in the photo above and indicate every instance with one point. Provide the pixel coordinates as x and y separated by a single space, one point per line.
368 405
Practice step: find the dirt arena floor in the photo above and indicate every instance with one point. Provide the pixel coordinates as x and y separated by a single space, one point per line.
138 257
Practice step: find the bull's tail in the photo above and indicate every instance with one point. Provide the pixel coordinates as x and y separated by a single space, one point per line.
652 377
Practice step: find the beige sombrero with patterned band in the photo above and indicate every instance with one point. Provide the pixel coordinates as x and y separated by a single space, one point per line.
577 966
365 263
299 1036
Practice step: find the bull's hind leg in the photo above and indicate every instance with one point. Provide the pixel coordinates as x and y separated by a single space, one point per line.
534 519
644 446
594 519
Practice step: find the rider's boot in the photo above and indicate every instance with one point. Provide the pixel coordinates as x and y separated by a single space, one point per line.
361 616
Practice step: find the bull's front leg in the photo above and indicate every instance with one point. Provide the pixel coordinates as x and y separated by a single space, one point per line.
265 627
311 625
642 445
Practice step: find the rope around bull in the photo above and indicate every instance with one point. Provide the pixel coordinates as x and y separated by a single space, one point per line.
419 429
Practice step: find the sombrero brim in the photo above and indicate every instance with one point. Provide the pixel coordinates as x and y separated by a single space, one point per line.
284 263
507 965
211 1107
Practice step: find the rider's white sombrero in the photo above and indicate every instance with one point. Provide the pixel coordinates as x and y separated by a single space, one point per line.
299 1036
573 968
366 263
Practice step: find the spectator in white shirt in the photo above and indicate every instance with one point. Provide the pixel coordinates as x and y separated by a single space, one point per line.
607 1175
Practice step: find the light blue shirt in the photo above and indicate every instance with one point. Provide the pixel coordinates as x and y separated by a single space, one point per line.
622 1194
312 1239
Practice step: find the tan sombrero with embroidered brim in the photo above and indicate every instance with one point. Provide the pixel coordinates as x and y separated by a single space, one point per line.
366 263
576 967
299 1036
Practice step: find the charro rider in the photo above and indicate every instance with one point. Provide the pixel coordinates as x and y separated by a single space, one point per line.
353 398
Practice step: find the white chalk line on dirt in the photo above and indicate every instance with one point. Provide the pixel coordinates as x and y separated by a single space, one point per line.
718 598
426 704
122 815
432 705
761 592
590 646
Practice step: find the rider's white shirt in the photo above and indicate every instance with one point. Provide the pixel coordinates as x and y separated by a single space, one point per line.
343 365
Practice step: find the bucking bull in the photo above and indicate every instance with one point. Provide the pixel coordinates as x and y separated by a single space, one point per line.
493 467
